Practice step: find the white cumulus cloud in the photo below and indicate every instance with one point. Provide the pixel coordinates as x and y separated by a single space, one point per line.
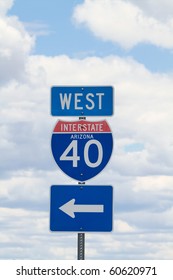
5 5
125 23
160 9
15 45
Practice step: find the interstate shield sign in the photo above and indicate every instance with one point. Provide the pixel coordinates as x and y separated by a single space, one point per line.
82 148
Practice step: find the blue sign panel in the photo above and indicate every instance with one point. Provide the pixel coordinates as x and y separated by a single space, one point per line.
82 101
81 208
81 148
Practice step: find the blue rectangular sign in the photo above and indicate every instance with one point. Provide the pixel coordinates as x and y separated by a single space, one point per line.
82 101
81 208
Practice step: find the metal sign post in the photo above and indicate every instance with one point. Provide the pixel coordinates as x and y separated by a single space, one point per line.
81 246
81 236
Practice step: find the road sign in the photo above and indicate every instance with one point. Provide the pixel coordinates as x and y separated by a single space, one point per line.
81 208
82 101
81 148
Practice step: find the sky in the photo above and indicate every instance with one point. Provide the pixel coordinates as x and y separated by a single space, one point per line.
127 44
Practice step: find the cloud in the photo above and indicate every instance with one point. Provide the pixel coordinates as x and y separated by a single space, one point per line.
153 183
37 28
5 6
122 226
125 22
160 9
15 45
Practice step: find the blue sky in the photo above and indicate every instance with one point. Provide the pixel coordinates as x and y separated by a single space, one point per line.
62 35
125 44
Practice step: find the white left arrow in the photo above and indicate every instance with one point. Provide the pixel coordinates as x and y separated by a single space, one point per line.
70 208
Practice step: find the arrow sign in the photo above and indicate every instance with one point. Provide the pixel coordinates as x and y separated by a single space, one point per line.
81 208
70 208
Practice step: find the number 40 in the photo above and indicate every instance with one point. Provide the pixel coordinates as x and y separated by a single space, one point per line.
75 158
